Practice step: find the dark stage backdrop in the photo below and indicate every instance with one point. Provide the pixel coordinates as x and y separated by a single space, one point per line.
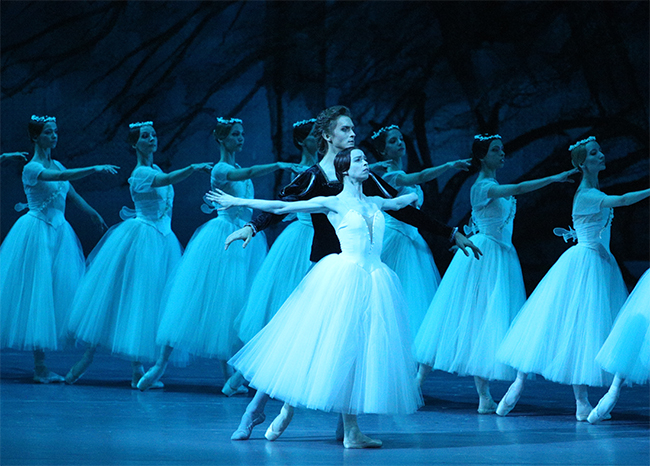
542 74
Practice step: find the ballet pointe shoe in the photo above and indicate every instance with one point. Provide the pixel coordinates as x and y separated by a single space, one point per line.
229 390
138 373
357 440
282 420
47 376
152 377
583 409
603 408
509 400
78 369
486 405
340 431
248 421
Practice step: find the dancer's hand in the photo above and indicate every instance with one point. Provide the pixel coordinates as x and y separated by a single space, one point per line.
463 243
462 164
98 221
245 234
112 169
293 167
564 176
202 167
226 201
14 155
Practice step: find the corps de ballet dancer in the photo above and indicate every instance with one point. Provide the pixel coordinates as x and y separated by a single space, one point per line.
404 250
41 260
335 131
341 341
118 300
202 299
567 318
462 331
626 352
288 259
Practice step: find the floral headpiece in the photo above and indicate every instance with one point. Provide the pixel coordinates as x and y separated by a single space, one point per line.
385 129
304 122
481 137
230 121
140 124
43 119
584 141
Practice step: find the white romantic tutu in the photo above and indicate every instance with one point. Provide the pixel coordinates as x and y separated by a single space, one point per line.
118 302
40 269
207 291
341 342
627 348
406 252
284 267
472 311
564 323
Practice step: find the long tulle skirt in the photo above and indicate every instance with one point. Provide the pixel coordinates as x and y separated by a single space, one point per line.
118 302
627 348
472 311
40 269
207 291
566 320
340 342
411 259
284 267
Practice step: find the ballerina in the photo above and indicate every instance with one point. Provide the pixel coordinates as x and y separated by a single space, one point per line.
202 299
404 250
118 300
335 131
41 260
626 352
567 318
342 336
461 331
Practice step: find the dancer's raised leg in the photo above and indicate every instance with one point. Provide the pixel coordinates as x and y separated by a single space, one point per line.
511 397
280 423
607 402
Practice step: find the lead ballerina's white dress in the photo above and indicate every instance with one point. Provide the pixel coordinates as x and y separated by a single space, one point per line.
567 318
284 267
41 263
211 284
118 301
406 252
477 299
341 341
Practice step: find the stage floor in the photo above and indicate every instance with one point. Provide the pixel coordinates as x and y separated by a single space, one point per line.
102 421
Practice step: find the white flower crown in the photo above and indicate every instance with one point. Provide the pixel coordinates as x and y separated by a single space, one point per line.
230 121
140 124
480 137
383 130
43 119
304 122
584 141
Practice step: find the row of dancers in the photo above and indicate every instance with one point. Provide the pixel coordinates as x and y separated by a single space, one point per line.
342 335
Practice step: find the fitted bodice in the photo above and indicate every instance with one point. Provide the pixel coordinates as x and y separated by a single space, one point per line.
492 217
592 222
361 238
242 189
45 199
153 206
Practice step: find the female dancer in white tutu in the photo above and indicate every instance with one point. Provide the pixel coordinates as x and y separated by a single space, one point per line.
626 352
341 340
202 298
41 261
405 251
462 330
565 321
118 300
287 261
